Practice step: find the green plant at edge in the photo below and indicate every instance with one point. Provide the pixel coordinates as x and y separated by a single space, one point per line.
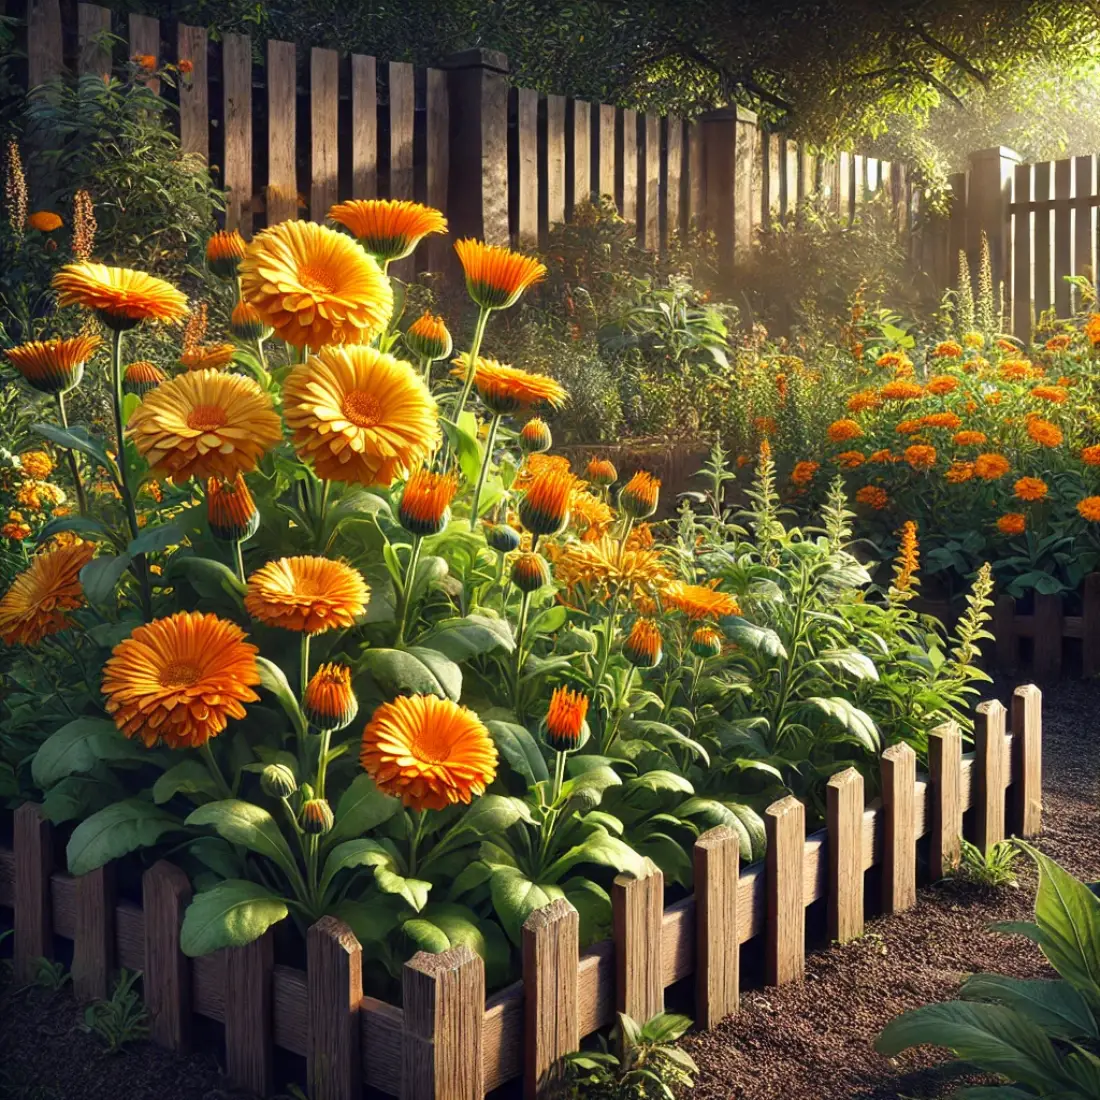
50 975
120 1019
994 868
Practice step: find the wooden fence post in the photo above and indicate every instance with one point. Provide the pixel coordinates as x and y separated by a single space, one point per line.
990 765
44 40
324 115
604 169
672 181
1004 633
899 834
1047 638
988 196
249 1032
237 159
1027 752
281 193
194 92
33 848
527 167
444 1009
166 981
578 154
945 765
94 939
637 906
717 857
785 824
649 173
93 22
719 144
364 128
844 816
438 109
334 981
551 1026
478 192
1090 626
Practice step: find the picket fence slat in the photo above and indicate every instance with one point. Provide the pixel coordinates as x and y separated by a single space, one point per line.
94 939
364 127
437 172
527 167
281 193
324 89
93 22
194 105
672 183
578 154
991 769
237 157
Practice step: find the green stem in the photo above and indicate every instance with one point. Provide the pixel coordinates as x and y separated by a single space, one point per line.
426 370
521 629
322 508
406 592
489 441
559 777
215 771
471 363
74 468
238 560
414 841
322 762
262 355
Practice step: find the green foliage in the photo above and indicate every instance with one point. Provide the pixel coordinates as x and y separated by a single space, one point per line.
50 975
122 1018
994 868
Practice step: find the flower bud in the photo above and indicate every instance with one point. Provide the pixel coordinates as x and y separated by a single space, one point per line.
530 572
706 642
535 436
224 252
601 472
317 816
642 647
277 781
330 703
564 728
427 338
638 498
141 377
246 323
501 537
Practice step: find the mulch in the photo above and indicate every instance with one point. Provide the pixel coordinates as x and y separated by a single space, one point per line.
815 1040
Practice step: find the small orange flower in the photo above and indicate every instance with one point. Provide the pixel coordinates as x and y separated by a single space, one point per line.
992 466
909 427
208 356
40 598
905 565
530 572
948 420
53 366
1044 432
901 390
145 61
1092 332
765 425
1089 508
1059 342
246 323
959 472
602 472
850 460
638 497
36 464
642 647
804 472
544 509
45 221
894 360
565 719
1007 346
698 602
329 702
947 349
1054 394
842 430
306 594
1012 523
920 456
224 252
590 516
389 229
1030 488
1015 370
863 400
186 66
969 439
535 436
1090 456
496 277
883 457
121 297
505 389
942 384
873 497
425 502
993 397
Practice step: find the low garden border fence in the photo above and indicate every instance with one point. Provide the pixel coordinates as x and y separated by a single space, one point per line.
447 1040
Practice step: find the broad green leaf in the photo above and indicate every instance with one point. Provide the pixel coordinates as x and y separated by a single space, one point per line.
492 814
602 849
83 525
208 577
232 914
79 796
520 749
516 897
186 777
352 853
249 825
274 680
100 577
76 438
370 922
462 927
755 638
426 936
856 722
851 661
78 746
415 891
154 539
115 831
414 671
461 639
1054 1005
362 807
462 438
593 905
548 621
669 855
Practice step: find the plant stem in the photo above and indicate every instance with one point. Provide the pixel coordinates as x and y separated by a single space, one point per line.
406 592
322 763
426 370
521 629
471 362
74 468
303 663
559 777
414 840
238 558
215 771
489 441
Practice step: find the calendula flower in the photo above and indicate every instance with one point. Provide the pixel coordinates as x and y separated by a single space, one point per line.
329 702
699 602
496 277
947 420
278 781
873 497
942 384
895 361
359 415
883 457
141 377
530 572
40 598
1015 370
208 356
993 397
315 286
1044 432
145 61
389 229
901 390
969 438
180 679
706 642
1059 342
591 517
45 221
186 66
850 460
535 436
946 349
203 424
990 467
224 252
1090 456
1012 523
1089 509
601 472
120 297
1007 346
245 323
306 594
639 496
544 509
426 501
842 430
920 456
909 427
505 389
428 338
804 472
1054 394
642 647
1092 329
427 751
53 366
1030 488
765 425
564 726
36 464
959 472
864 400
231 512
601 565
16 528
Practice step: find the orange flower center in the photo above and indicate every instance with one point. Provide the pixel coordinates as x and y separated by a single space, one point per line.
206 418
319 280
179 674
363 409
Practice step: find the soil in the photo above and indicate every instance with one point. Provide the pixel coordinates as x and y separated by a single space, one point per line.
815 1040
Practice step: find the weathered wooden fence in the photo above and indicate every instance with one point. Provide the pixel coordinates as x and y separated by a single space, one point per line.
447 1040
293 130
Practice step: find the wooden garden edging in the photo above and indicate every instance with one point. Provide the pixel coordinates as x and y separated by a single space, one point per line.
443 1044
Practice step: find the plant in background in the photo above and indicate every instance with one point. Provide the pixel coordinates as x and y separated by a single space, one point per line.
994 868
122 1018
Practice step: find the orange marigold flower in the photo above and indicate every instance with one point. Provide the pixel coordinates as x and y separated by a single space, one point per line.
1044 432
208 356
389 229
873 497
920 456
122 298
901 390
863 400
145 61
53 366
426 501
699 602
908 427
992 466
850 460
638 497
505 389
883 457
969 438
1055 394
601 472
1030 488
1090 456
180 679
307 594
841 430
804 472
186 66
1007 346
427 751
1089 508
949 420
947 349
1059 342
45 221
224 252
495 276
15 529
1092 331
642 647
564 726
231 513
1015 370
942 384
36 464
958 472
428 338
329 702
1012 523
544 509
993 397
894 360
40 598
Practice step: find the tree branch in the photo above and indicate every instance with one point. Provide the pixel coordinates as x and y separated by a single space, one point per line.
935 82
952 55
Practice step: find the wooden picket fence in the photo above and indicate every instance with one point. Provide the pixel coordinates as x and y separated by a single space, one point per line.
289 128
447 1040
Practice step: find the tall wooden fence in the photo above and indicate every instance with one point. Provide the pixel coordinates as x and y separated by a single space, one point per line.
292 130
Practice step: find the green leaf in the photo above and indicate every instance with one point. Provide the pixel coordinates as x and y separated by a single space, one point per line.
414 671
463 440
852 661
249 825
593 905
461 639
516 897
186 777
856 722
426 936
492 814
274 680
209 578
89 528
602 849
462 927
100 577
548 621
76 439
78 746
415 891
155 539
352 853
79 796
232 914
1054 1005
115 831
755 638
362 807
520 749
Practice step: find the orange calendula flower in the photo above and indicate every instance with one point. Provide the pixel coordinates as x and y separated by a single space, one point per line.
564 726
601 472
16 528
698 602
842 430
389 229
426 501
1089 508
1059 342
863 400
882 458
909 427
53 366
145 61
642 647
1012 523
942 384
186 66
329 702
246 323
427 751
1092 329
535 436
948 420
901 390
306 594
496 277
600 565
40 598
208 356
505 389
969 438
947 349
1054 394
141 377
765 425
180 679
428 338
1044 432
706 642
591 516
895 361
1015 370
1007 346
359 415
121 298
1090 456
203 424
990 467
231 512
224 252
850 460
804 472
45 221
873 496
959 472
1030 488
905 565
545 507
315 286
36 464
920 456
639 496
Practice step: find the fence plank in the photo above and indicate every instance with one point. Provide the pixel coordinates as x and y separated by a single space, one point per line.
44 41
991 772
237 169
553 203
249 1035
33 920
626 167
785 949
696 170
364 127
578 154
551 952
1063 235
334 980
94 942
649 172
145 41
439 161
194 92
92 23
745 171
1027 766
717 856
281 195
1047 643
899 834
1004 632
166 979
945 766
324 122
720 140
637 909
1022 275
672 206
402 123
1042 238
444 1008
1084 217
1090 626
844 821
605 152
527 166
